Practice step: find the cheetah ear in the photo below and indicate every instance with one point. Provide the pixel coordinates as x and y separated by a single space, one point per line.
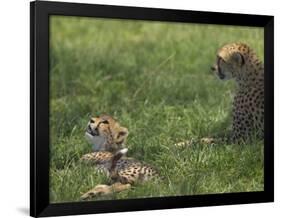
123 133
238 59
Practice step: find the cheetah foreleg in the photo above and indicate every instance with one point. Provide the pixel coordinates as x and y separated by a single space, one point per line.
102 190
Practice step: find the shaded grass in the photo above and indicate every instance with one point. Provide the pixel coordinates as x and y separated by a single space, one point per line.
155 79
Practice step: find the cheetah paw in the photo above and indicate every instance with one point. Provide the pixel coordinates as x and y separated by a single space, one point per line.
207 141
101 190
184 144
97 191
188 143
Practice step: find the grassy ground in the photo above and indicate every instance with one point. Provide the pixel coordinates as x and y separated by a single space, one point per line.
155 79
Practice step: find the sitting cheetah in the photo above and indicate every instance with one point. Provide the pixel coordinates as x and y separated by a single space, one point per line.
239 62
107 137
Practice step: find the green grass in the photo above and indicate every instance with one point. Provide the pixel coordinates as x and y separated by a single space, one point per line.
155 79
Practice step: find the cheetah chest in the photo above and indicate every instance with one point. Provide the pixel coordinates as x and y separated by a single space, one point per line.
248 111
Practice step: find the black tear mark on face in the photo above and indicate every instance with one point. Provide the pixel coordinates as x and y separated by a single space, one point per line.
243 60
220 74
239 59
92 132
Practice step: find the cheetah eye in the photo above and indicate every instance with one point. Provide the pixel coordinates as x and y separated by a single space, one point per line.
105 122
92 121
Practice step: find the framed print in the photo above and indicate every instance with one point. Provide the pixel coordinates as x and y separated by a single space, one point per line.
142 109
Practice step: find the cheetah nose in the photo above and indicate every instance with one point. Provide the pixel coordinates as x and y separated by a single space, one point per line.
213 68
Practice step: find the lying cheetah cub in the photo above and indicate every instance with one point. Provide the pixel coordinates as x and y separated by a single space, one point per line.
107 137
239 62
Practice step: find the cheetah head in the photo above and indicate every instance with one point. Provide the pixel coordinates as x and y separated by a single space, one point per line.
230 61
105 133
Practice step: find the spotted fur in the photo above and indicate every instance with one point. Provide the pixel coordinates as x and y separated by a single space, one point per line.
108 136
239 62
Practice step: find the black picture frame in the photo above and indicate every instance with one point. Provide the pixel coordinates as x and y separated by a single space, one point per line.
39 107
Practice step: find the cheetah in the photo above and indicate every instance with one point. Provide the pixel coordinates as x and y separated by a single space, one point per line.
107 137
239 62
